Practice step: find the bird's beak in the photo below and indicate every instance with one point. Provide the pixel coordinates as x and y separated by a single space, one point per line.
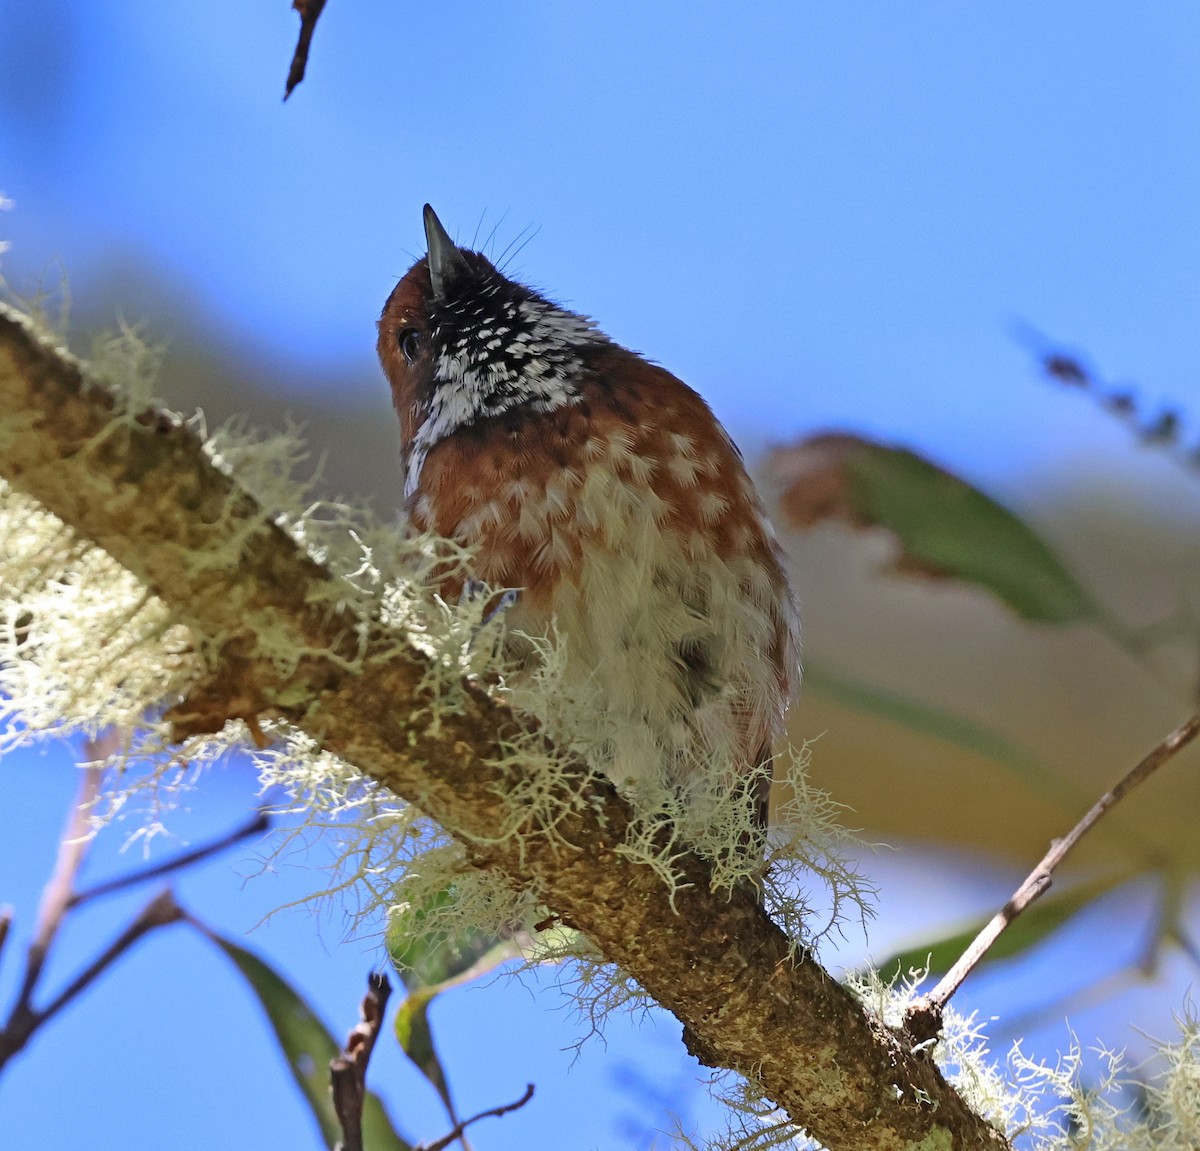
445 260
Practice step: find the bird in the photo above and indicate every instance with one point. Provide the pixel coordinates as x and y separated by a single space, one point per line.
606 492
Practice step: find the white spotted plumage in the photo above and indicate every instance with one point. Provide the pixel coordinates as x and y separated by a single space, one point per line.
497 354
605 489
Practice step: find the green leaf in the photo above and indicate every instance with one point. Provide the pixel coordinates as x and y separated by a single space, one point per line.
945 527
378 1132
952 729
414 1034
308 1047
412 1017
430 962
426 956
416 1041
1039 921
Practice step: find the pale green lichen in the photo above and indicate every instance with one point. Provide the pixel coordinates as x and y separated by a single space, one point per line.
98 650
128 364
85 645
1062 1106
1040 1106
86 648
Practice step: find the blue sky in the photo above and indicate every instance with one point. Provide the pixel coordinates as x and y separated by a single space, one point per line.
817 215
814 214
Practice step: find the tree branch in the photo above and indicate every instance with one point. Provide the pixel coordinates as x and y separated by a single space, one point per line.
144 491
257 824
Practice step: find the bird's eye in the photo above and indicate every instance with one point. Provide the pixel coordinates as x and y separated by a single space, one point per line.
409 340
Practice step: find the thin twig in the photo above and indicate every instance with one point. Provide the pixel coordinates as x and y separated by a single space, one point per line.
255 826
924 1018
60 896
1162 430
161 911
60 887
25 1019
310 13
493 1113
348 1069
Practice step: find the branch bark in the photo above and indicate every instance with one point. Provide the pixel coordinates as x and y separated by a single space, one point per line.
143 490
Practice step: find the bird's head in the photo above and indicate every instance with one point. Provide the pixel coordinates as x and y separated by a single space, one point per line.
460 342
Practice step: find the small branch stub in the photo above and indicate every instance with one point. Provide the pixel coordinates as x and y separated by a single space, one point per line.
310 13
348 1069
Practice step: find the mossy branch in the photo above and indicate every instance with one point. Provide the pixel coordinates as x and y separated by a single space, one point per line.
140 486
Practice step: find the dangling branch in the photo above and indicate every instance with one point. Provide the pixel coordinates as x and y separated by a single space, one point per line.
310 12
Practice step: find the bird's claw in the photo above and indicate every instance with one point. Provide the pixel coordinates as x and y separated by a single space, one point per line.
472 589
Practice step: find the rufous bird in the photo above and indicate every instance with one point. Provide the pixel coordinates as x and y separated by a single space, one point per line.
607 492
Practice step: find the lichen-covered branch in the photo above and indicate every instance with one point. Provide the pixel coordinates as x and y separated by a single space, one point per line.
140 485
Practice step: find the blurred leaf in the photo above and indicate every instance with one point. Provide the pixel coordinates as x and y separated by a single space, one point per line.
426 956
430 961
412 1017
1035 924
416 1041
308 1047
952 729
945 527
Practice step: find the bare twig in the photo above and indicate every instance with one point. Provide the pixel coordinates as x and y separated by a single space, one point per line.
56 895
310 13
1162 429
925 1015
493 1113
25 1019
253 826
60 896
348 1069
72 848
161 911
